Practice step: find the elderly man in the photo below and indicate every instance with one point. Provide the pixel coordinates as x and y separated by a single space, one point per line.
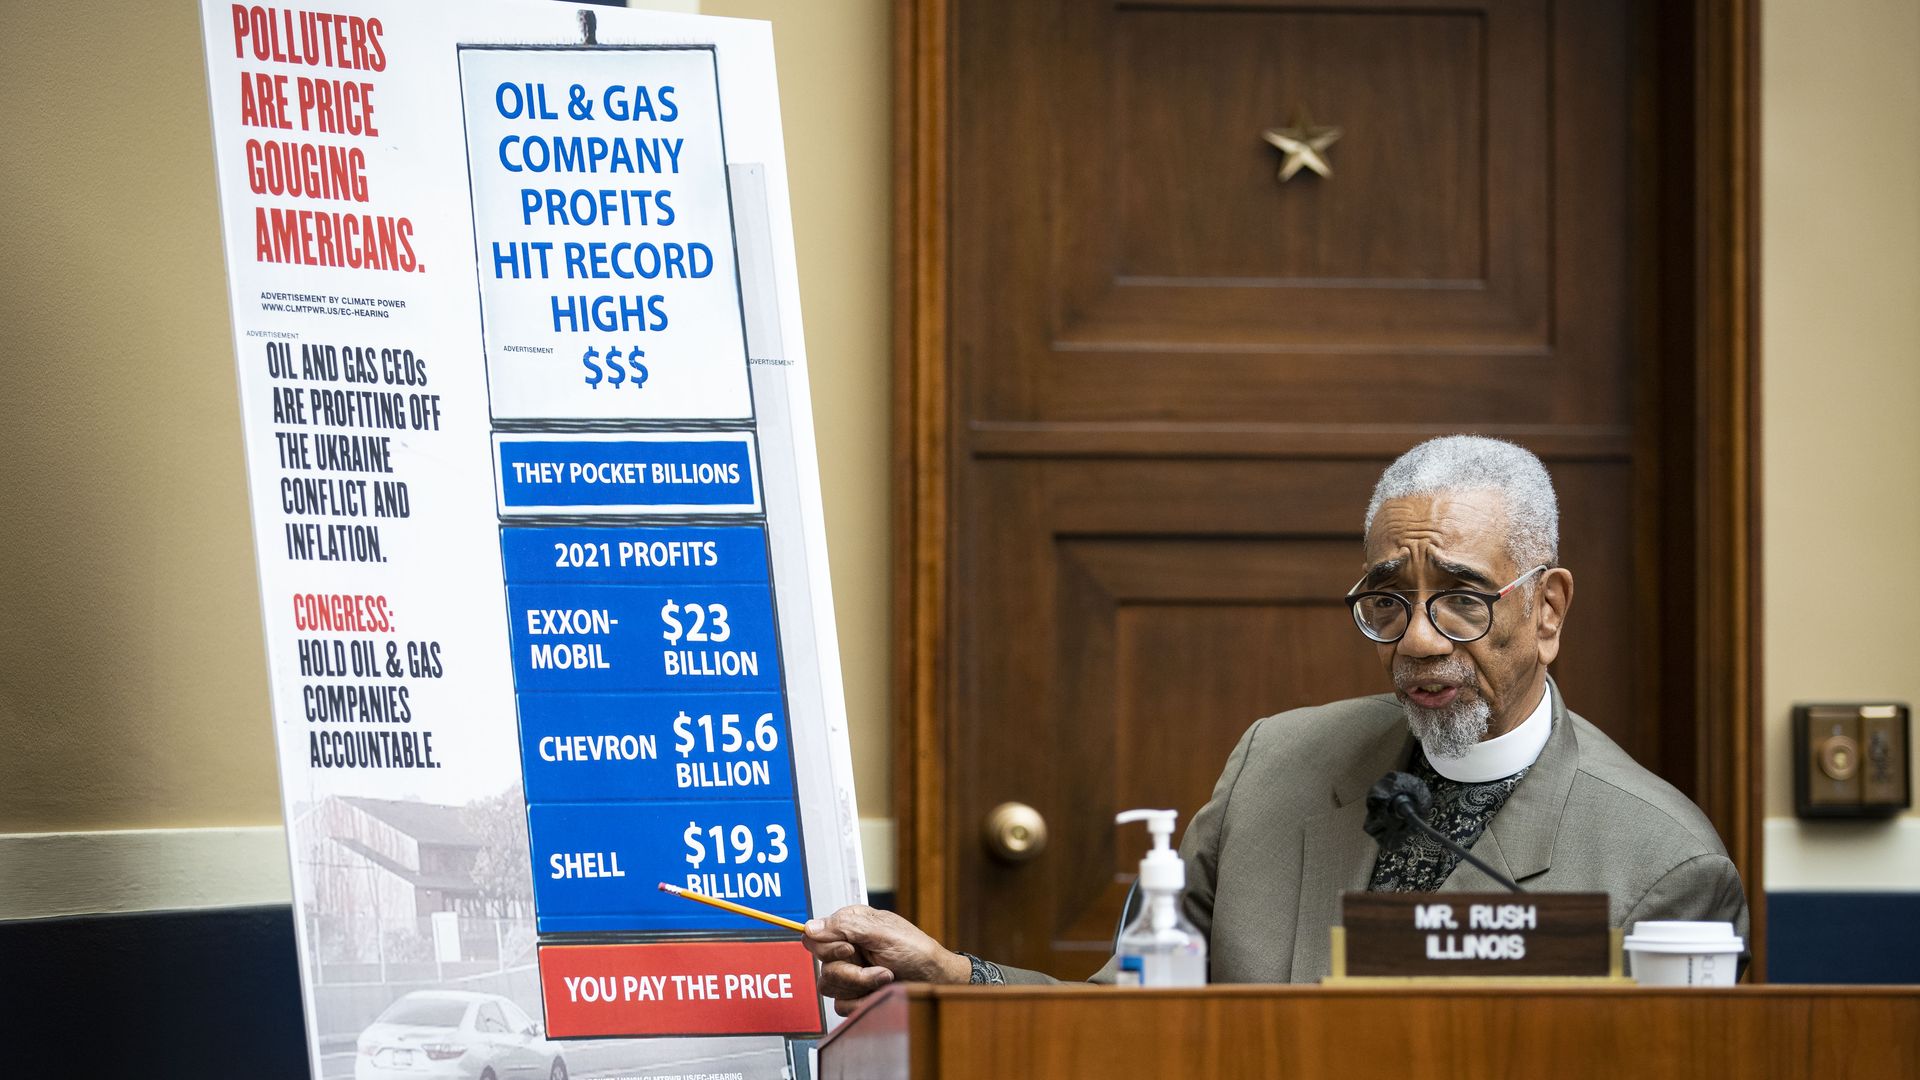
1463 600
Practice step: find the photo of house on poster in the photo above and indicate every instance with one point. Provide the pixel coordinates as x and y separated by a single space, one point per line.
537 515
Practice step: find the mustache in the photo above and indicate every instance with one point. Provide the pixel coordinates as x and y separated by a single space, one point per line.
1453 671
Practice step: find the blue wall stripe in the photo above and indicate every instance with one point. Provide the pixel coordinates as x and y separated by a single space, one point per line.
213 993
1843 937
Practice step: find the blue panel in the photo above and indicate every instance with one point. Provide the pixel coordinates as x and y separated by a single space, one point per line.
581 747
60 977
633 555
1843 937
626 472
676 638
597 866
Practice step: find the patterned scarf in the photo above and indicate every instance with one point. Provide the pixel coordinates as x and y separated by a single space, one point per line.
1460 811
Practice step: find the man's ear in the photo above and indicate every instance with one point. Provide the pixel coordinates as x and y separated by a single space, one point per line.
1550 613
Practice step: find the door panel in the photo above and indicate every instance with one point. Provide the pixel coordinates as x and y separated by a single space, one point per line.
1195 183
1175 380
1129 254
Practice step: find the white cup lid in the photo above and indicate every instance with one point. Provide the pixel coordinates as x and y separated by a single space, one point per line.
1680 936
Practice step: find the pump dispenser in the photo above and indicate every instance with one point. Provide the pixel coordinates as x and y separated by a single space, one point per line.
1160 947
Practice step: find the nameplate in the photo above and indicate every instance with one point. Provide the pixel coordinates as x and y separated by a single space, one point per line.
1455 935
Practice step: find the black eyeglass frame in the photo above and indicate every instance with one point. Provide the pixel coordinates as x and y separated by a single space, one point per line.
1489 599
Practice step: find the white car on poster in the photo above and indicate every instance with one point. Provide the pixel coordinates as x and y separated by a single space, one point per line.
435 1034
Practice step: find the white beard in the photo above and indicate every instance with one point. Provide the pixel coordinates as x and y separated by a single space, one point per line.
1451 731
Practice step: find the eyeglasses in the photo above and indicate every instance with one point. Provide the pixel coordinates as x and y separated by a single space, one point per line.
1462 615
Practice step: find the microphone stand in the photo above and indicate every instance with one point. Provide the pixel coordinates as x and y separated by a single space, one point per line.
1403 805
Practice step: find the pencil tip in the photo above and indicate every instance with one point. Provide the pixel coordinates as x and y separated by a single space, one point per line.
664 887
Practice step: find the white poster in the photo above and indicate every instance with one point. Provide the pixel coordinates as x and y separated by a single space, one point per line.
542 559
605 234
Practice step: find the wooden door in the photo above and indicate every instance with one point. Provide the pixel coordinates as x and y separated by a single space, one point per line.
1170 381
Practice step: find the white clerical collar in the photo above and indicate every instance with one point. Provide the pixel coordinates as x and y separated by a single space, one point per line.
1503 755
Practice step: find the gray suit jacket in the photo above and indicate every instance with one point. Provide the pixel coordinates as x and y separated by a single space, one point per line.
1281 839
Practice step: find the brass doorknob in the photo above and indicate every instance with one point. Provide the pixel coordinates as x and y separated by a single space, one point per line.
1015 832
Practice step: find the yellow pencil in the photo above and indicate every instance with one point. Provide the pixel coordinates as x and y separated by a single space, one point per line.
737 909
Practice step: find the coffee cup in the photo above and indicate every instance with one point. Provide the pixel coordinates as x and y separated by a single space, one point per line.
1684 953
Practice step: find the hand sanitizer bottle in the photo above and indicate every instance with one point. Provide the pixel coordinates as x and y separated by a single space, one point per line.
1169 950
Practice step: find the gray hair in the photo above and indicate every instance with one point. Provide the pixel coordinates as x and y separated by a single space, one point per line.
1460 463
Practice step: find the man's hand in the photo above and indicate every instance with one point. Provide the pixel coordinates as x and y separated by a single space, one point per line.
861 950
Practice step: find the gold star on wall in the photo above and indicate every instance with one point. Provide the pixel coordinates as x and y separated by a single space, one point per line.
1304 145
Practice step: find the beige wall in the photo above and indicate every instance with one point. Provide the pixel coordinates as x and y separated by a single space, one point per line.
132 685
132 678
835 100
1840 317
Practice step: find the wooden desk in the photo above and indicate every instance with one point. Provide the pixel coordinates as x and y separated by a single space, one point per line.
1353 1033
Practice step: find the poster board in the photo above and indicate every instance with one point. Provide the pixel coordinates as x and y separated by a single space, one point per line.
538 525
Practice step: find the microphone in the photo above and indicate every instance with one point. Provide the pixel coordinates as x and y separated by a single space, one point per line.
1397 805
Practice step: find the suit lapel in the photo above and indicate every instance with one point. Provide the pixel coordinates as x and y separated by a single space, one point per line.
1467 877
1338 858
1526 828
1337 854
